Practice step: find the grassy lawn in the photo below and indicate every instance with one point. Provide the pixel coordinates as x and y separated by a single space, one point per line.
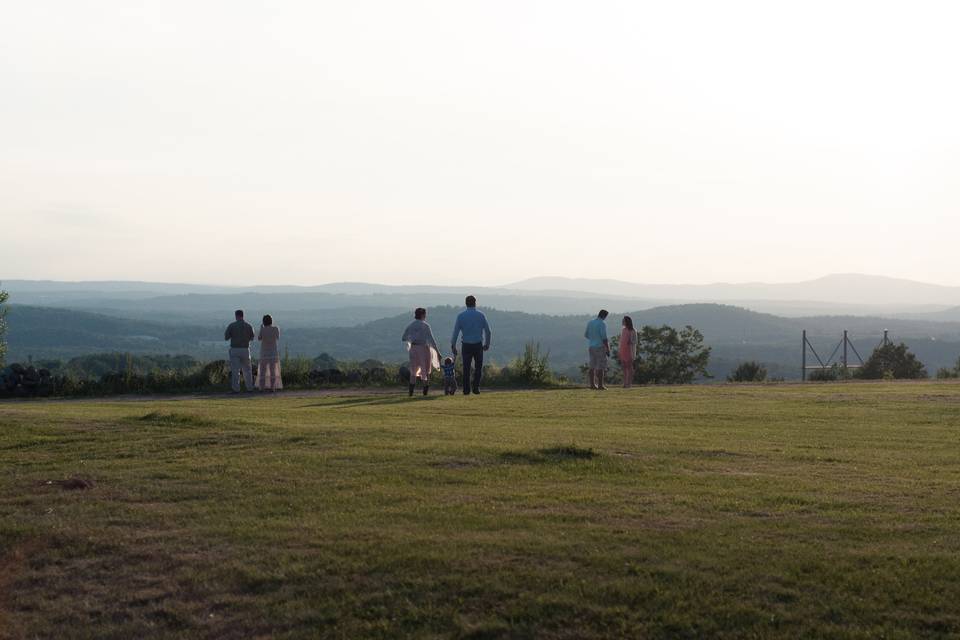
780 511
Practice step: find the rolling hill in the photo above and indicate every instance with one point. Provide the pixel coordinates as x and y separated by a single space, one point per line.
846 294
842 288
735 334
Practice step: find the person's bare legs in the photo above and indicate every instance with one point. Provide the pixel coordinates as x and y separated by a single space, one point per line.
593 378
600 385
627 375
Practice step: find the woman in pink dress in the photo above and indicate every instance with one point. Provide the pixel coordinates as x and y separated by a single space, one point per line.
268 369
424 354
628 350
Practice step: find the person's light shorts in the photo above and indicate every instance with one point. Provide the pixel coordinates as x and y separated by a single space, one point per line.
598 358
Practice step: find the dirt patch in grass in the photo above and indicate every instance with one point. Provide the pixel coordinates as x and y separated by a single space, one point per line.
70 484
713 453
216 440
458 463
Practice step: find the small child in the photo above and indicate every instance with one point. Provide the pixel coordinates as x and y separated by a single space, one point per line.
449 376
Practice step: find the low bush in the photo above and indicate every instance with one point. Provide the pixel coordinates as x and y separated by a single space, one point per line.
750 371
117 373
531 369
944 373
831 374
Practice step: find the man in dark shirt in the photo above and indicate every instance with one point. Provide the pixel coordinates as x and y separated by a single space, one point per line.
239 333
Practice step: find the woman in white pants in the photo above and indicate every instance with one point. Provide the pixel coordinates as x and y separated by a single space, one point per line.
268 370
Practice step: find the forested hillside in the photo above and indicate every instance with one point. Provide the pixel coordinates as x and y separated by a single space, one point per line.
733 333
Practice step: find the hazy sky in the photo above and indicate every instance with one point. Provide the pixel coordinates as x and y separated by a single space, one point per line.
478 142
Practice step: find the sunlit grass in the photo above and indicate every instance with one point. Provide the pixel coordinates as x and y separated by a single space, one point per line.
665 512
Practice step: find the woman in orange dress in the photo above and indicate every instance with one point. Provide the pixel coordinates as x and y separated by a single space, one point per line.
628 350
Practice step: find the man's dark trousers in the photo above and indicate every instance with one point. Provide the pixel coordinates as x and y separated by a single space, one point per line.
472 352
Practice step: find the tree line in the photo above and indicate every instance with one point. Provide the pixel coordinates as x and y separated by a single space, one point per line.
665 355
888 361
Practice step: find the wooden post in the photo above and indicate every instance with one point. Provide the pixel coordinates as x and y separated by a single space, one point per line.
844 349
803 367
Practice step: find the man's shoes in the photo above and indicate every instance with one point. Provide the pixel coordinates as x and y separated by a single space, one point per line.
476 391
601 388
466 392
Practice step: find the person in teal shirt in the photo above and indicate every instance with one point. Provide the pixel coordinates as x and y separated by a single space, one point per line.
599 349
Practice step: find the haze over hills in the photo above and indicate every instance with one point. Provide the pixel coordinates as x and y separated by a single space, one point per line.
360 320
311 309
847 289
847 294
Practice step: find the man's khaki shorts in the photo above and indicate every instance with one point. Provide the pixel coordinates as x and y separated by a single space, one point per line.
598 358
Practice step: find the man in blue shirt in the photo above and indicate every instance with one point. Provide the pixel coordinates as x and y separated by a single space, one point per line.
599 350
476 339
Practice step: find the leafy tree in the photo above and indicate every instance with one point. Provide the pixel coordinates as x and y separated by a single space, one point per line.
666 355
4 296
892 361
325 361
751 371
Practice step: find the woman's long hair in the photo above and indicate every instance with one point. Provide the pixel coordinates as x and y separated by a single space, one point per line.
628 323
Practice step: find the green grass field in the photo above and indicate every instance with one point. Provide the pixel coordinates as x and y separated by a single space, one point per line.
734 511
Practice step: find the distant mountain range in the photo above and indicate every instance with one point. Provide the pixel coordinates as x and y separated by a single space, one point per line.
360 320
846 294
844 289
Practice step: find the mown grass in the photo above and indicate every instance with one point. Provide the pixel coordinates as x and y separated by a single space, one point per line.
781 511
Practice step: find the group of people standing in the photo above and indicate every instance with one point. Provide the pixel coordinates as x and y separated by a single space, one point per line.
599 350
471 329
240 334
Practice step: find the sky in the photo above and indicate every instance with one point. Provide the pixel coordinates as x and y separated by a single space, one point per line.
478 143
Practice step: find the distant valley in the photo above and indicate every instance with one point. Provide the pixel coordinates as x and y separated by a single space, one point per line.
62 322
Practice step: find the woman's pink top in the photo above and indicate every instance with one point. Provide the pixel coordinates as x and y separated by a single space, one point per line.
269 338
628 345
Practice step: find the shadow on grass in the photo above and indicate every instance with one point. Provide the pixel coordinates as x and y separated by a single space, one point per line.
341 403
548 455
174 419
711 453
